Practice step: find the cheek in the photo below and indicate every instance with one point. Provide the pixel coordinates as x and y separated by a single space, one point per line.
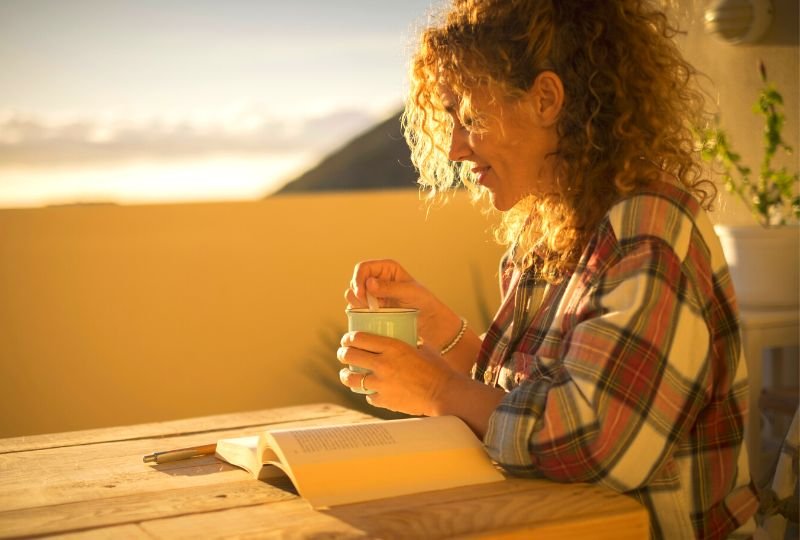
486 146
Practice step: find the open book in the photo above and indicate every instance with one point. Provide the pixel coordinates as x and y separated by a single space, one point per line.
346 463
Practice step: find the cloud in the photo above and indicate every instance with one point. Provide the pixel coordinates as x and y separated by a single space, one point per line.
31 141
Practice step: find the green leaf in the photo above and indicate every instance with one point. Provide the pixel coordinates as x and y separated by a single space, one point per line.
774 194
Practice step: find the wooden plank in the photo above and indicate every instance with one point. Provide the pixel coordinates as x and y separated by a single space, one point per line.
84 473
264 521
122 532
130 509
622 526
526 507
189 426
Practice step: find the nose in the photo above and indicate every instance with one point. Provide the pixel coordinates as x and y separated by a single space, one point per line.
460 149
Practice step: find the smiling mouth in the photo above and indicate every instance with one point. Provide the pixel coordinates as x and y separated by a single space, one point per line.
480 173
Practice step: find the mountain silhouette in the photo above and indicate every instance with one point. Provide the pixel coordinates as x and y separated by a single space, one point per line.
379 158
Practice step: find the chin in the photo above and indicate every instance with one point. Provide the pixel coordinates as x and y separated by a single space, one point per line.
501 207
500 203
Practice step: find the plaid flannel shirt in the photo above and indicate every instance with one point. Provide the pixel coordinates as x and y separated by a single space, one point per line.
628 373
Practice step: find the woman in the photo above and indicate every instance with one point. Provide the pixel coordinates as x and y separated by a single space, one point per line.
614 357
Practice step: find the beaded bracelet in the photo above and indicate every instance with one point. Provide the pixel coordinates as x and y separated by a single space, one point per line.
456 339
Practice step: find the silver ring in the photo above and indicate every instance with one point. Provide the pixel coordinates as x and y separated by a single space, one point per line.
364 388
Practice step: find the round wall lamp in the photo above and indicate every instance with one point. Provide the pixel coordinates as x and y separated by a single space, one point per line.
738 21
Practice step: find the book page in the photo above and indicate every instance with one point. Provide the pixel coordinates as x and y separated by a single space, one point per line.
341 464
346 437
246 453
366 479
240 451
349 441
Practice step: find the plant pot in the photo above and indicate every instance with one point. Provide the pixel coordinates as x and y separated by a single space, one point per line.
764 264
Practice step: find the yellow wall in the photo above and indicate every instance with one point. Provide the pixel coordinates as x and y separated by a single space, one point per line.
114 315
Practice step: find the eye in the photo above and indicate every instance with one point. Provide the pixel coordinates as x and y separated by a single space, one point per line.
466 122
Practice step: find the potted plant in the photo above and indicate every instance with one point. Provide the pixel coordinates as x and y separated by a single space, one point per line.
764 258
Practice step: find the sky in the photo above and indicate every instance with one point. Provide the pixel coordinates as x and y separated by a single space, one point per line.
146 101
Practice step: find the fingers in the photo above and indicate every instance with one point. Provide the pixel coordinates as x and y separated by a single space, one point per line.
370 298
356 358
384 294
358 381
384 269
365 352
352 300
372 343
376 400
394 293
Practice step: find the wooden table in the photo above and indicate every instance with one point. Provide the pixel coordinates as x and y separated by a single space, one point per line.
93 484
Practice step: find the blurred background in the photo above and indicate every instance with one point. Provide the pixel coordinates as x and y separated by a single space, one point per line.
186 185
139 102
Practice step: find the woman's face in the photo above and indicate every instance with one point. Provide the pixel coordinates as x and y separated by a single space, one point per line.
511 154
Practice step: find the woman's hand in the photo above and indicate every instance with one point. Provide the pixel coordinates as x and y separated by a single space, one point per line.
404 378
415 381
392 286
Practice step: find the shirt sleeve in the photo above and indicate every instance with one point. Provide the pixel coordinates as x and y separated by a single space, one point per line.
631 376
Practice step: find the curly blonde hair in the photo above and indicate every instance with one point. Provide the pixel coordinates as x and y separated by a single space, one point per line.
630 106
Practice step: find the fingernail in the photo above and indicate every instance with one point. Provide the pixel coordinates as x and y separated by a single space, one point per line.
372 303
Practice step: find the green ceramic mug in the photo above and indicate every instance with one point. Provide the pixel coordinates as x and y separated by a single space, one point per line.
398 323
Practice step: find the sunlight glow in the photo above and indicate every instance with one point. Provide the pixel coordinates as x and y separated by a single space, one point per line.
228 179
188 100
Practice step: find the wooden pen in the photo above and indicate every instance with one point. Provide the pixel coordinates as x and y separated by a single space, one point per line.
181 453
